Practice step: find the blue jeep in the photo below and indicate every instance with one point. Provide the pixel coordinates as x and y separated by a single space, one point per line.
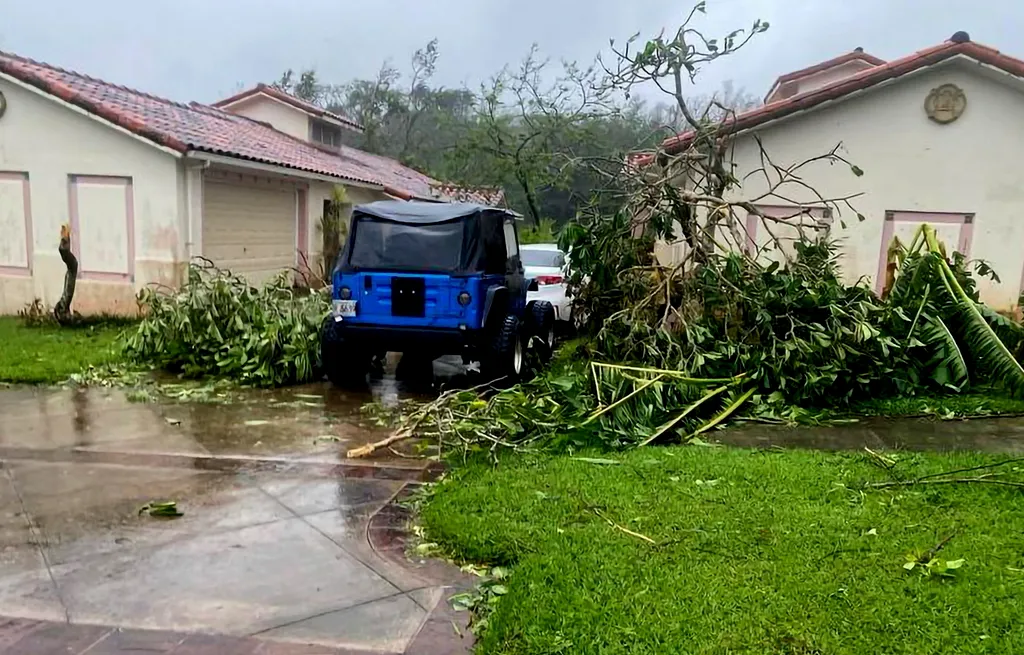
431 279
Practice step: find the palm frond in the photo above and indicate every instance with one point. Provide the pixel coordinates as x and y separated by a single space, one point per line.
948 364
686 412
1008 330
725 413
986 348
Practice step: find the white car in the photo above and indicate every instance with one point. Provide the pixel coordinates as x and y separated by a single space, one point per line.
546 268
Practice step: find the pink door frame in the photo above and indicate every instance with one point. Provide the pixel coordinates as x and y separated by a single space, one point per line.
782 211
27 208
964 219
129 199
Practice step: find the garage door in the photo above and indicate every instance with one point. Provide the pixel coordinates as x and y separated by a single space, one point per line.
249 229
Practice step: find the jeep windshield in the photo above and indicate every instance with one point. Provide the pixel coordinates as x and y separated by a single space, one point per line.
390 246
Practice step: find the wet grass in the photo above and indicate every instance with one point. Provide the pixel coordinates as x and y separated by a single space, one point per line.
756 552
50 354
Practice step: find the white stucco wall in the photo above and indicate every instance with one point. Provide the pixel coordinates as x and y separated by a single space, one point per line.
910 163
51 141
279 115
320 191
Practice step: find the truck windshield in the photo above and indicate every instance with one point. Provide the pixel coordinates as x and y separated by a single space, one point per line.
398 246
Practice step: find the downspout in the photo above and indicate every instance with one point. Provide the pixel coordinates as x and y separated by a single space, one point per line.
190 234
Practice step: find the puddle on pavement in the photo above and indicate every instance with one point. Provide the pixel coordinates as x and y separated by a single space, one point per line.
313 421
77 464
994 435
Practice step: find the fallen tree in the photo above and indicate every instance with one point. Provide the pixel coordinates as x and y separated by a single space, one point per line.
677 349
757 340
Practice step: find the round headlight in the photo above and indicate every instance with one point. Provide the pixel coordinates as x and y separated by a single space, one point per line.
465 298
345 293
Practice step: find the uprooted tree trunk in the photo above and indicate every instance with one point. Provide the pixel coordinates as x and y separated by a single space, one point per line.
62 310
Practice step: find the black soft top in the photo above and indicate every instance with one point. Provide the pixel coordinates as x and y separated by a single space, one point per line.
454 238
424 213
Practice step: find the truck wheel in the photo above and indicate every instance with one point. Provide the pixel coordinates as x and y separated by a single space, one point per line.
505 356
541 317
344 365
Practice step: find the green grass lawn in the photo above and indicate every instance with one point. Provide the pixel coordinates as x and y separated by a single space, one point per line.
47 355
757 552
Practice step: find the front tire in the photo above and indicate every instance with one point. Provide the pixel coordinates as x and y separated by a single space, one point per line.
344 365
506 356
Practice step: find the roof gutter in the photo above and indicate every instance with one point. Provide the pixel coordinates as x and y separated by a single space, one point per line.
238 162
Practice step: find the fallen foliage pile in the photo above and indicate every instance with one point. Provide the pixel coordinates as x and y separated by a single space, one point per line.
677 354
217 325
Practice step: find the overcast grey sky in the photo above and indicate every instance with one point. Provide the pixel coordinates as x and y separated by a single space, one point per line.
206 49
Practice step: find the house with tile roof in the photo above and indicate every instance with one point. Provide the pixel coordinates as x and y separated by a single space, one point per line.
936 134
145 184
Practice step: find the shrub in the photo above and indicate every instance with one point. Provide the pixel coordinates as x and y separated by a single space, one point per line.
546 232
35 314
218 325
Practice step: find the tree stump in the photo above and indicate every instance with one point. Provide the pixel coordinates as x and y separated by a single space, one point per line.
62 310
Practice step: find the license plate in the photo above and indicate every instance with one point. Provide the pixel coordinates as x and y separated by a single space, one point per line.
345 308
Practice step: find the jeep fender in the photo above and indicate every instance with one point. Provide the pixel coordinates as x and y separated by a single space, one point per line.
495 305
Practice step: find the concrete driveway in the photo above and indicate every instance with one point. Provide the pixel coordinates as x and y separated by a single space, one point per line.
272 550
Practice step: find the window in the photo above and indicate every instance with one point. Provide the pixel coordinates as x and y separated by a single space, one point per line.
103 226
511 244
544 258
15 224
384 245
325 133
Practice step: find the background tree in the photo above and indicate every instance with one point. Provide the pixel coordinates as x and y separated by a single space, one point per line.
526 130
307 87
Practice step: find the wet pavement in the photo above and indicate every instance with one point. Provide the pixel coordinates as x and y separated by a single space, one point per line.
274 546
285 546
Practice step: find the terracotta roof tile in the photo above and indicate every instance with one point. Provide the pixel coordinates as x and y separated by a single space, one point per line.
204 128
489 196
288 98
856 82
856 55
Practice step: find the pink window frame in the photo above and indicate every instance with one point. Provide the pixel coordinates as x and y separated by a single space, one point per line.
129 198
782 211
27 200
964 219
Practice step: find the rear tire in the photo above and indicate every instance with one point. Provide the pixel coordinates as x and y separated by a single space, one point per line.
344 365
540 315
506 356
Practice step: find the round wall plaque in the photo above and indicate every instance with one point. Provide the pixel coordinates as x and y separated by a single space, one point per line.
945 103
3 104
